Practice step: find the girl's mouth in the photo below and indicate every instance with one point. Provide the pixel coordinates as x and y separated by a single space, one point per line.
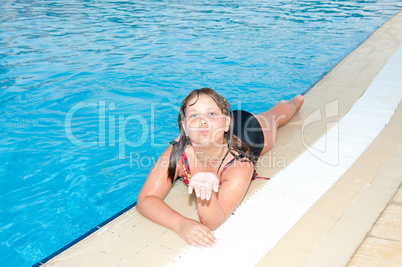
204 132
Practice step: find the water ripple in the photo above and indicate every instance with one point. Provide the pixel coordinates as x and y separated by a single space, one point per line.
101 63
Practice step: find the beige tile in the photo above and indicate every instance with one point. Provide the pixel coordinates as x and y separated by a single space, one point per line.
395 123
295 145
164 250
193 215
184 203
349 76
375 198
398 196
124 222
148 259
368 74
389 177
388 140
348 98
309 231
121 250
311 132
385 142
334 203
397 116
171 241
389 225
391 174
79 252
373 159
178 195
62 262
378 252
99 259
356 179
289 131
284 255
135 240
335 89
364 261
398 151
343 239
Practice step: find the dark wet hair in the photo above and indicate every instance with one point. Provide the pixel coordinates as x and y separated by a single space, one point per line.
233 142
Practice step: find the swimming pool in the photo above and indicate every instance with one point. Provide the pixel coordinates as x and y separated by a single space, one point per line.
90 93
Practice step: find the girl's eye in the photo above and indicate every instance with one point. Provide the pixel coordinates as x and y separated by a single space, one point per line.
211 114
194 116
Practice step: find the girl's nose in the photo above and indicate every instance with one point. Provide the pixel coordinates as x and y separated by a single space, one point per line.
203 121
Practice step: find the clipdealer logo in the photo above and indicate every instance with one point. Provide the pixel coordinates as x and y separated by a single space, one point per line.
327 149
111 124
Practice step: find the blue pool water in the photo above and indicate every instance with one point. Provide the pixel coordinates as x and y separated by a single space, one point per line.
89 93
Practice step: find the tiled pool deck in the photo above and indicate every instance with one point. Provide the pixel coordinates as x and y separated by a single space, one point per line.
357 222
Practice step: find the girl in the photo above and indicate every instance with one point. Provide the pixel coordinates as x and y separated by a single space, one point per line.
215 155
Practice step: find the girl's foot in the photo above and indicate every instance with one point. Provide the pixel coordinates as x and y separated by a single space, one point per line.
297 101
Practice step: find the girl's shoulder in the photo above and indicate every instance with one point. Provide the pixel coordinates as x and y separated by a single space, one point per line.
236 164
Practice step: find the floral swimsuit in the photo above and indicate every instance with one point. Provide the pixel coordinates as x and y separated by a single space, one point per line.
186 175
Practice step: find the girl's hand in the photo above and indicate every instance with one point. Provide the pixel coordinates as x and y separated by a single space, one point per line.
203 183
196 234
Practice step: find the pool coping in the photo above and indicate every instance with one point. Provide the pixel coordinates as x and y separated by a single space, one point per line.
143 239
85 235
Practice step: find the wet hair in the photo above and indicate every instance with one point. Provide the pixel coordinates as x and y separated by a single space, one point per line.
233 142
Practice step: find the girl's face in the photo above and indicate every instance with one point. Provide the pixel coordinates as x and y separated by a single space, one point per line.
204 122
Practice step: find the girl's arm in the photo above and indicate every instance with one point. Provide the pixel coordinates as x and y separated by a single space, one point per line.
150 204
235 181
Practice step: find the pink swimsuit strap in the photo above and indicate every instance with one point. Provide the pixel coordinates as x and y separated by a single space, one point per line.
186 175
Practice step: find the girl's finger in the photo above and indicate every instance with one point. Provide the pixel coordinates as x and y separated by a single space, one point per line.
208 233
190 189
197 190
202 241
207 240
216 187
203 193
208 193
194 244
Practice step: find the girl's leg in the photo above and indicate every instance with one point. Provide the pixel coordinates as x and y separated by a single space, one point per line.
277 116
